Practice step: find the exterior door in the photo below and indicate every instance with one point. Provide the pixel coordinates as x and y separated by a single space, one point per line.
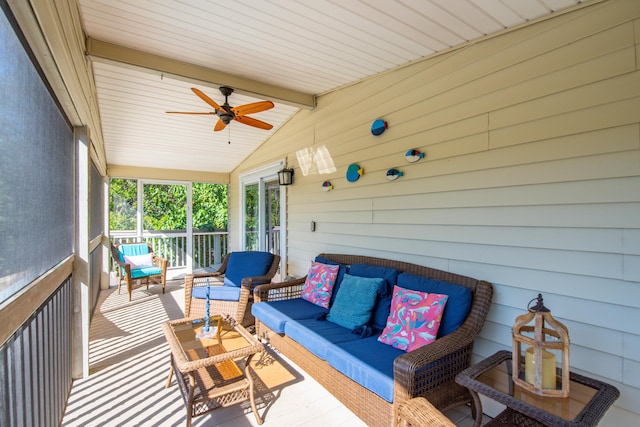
264 209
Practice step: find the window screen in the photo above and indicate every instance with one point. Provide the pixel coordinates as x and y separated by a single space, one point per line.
36 169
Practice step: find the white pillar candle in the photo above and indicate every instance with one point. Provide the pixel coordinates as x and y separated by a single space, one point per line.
548 368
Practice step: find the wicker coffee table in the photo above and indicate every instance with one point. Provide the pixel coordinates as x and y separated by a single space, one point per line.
586 404
211 372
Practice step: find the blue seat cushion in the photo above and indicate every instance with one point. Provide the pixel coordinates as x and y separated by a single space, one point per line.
138 273
383 303
458 304
367 362
246 264
317 335
222 293
341 272
275 314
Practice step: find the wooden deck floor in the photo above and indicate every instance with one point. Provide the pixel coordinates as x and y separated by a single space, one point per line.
129 360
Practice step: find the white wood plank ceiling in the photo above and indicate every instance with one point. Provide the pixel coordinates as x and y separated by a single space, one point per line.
282 50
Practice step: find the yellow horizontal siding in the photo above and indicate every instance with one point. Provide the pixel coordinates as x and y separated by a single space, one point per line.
531 179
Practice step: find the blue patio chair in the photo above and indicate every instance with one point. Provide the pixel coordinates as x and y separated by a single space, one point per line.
231 286
136 261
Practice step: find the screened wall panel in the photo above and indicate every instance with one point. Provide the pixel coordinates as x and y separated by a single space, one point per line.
37 164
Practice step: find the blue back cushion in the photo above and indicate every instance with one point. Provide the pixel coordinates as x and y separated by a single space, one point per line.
246 264
132 250
458 304
383 303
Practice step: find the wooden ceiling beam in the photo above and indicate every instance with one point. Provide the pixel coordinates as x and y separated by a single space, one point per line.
99 50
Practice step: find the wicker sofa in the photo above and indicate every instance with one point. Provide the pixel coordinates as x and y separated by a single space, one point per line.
370 378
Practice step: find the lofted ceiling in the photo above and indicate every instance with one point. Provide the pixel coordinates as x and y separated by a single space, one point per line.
147 54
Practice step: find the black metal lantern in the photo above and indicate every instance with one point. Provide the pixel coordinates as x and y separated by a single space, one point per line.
285 176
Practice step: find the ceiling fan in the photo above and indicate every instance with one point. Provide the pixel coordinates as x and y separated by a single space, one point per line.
226 113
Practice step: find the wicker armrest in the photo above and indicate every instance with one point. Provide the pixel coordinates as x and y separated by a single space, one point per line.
160 262
420 412
279 291
198 279
256 280
422 372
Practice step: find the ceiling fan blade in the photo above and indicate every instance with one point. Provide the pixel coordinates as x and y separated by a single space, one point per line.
205 98
219 125
189 112
253 122
255 107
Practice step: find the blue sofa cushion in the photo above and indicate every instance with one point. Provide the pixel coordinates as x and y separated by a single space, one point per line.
275 314
341 272
355 301
458 304
246 264
317 335
224 293
367 362
383 304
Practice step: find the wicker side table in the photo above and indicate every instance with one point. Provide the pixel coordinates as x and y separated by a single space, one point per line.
585 406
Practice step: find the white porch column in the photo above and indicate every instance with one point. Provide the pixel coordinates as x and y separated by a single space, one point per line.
81 270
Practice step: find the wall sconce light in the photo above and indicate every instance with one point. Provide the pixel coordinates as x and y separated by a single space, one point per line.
285 176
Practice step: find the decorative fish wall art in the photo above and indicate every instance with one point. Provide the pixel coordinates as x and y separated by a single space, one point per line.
413 155
393 174
354 172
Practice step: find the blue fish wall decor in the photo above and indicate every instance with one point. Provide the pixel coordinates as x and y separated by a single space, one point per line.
378 127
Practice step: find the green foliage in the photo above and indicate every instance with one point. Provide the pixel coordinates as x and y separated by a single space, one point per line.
165 206
210 206
122 204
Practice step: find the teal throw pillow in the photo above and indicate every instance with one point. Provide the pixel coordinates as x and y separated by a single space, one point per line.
355 301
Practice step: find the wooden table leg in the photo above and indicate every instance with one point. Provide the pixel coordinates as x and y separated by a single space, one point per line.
170 373
252 399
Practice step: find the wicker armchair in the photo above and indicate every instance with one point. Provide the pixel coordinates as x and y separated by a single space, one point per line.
419 412
195 307
156 273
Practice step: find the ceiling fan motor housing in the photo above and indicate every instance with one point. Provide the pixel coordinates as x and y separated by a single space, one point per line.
225 114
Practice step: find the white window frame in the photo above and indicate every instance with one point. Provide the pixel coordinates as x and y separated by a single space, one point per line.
260 176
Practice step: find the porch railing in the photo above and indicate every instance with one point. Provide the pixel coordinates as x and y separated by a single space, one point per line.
209 248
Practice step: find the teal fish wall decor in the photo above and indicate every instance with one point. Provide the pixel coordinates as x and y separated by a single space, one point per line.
354 172
393 174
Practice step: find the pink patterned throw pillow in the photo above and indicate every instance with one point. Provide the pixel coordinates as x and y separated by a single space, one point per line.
414 319
319 283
